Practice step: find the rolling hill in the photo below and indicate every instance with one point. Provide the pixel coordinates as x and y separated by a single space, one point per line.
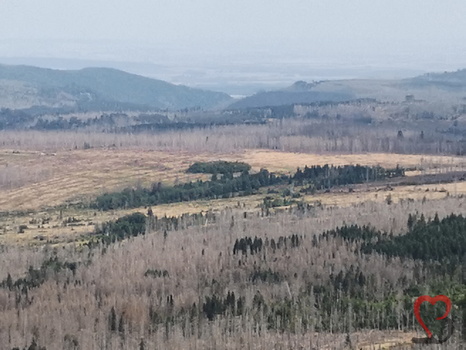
451 81
448 86
24 87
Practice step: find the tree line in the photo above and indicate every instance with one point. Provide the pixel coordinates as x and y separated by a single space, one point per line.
218 167
228 185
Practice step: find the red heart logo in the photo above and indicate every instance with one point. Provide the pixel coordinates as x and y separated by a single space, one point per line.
432 301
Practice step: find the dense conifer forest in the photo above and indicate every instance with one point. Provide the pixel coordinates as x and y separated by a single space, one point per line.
228 185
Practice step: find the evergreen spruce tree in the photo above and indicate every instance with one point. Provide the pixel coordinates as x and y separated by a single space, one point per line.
113 320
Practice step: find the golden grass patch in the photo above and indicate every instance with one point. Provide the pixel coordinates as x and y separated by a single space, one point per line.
396 193
288 161
79 175
370 340
55 230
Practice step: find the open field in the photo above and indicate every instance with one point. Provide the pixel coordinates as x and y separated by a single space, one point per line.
397 193
46 180
78 174
56 230
288 161
33 180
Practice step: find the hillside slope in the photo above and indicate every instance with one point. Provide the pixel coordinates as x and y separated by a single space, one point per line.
97 88
451 81
448 86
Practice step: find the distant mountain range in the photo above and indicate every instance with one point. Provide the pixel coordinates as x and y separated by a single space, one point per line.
429 87
23 87
40 90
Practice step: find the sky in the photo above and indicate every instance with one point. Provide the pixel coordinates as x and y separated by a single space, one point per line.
202 34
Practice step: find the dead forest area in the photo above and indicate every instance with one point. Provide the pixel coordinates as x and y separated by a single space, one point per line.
234 237
415 127
231 280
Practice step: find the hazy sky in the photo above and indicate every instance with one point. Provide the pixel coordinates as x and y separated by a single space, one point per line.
402 33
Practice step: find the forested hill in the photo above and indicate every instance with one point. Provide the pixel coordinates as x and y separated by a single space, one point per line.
98 88
429 87
446 80
299 92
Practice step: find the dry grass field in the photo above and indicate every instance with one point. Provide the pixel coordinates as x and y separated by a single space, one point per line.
77 174
56 231
287 161
34 183
33 180
361 194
